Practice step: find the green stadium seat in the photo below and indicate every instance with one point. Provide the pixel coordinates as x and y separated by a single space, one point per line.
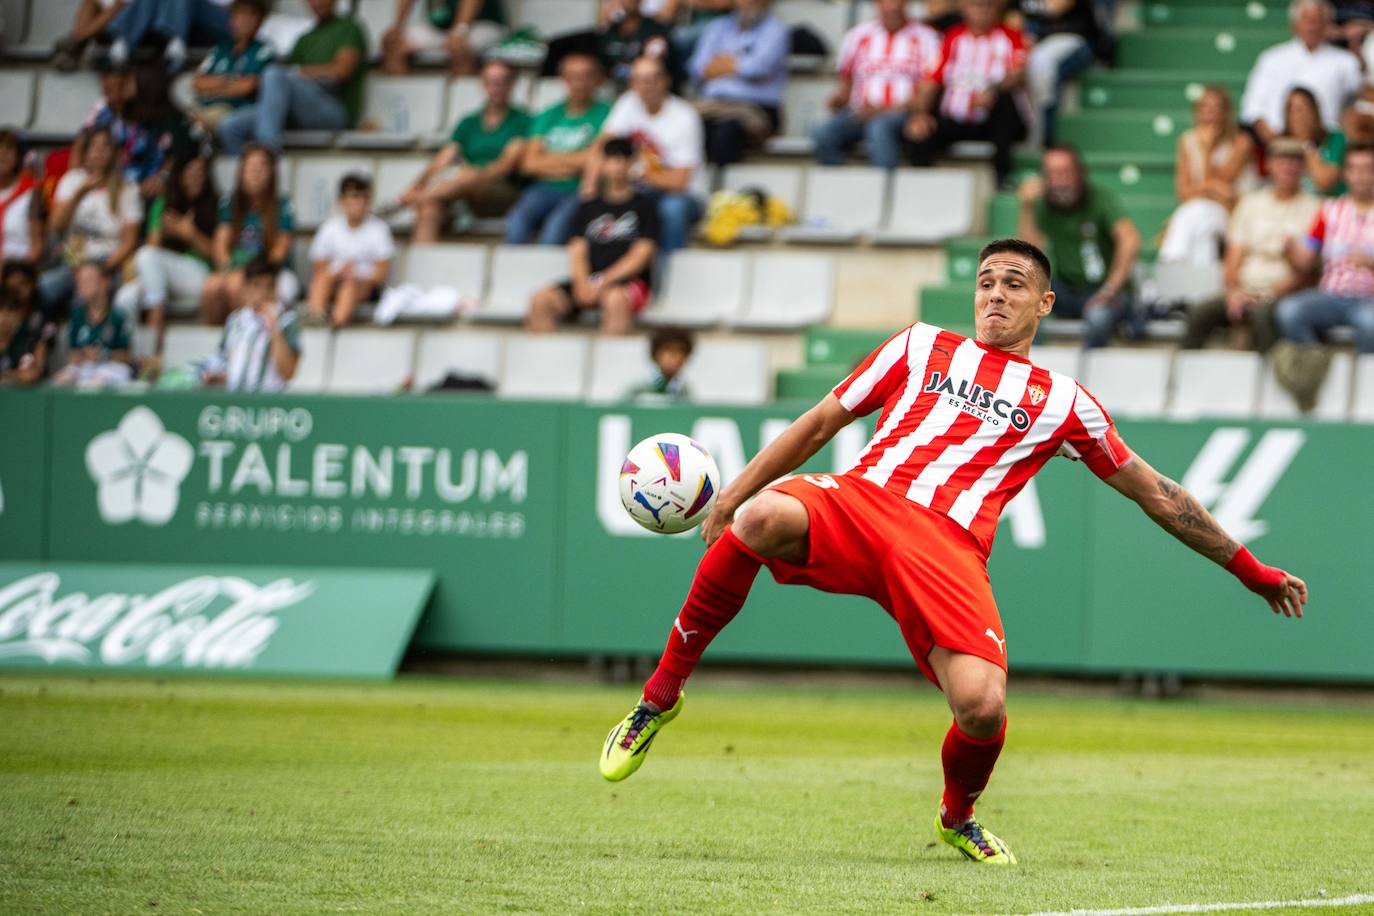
1233 15
949 305
1152 89
809 384
841 346
1124 131
1180 50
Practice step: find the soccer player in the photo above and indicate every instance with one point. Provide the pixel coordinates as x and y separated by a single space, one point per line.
964 424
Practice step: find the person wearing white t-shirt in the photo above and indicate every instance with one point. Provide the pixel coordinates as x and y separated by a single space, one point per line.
1331 74
96 214
21 234
351 255
667 134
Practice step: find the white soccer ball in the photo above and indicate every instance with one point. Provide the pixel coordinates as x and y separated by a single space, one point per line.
669 483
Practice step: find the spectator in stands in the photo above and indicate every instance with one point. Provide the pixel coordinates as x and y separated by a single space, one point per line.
700 14
1341 241
254 221
669 349
1330 74
611 253
489 142
228 79
26 334
555 156
1091 242
1214 165
1256 272
1323 149
148 129
261 347
21 232
175 261
625 35
667 136
97 335
350 255
320 86
95 215
1063 36
128 22
943 15
975 91
882 64
465 29
740 65
118 87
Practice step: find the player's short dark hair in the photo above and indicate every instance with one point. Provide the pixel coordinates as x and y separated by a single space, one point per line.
258 267
355 183
619 148
668 338
1018 247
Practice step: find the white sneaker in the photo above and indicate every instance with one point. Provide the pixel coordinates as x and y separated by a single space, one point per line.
119 52
175 55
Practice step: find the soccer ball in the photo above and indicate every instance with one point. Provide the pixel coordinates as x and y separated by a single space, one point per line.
669 483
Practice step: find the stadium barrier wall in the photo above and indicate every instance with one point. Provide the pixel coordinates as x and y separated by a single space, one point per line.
514 507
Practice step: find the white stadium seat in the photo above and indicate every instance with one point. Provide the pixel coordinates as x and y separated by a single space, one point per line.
1333 399
803 108
463 267
315 185
618 364
516 272
16 87
1189 283
827 19
367 361
189 344
1214 383
311 371
1362 404
48 21
781 181
1064 360
929 205
701 288
842 203
787 291
398 111
377 17
550 18
728 372
549 367
1128 382
63 103
460 352
547 93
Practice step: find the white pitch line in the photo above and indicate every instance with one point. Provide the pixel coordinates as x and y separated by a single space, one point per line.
1214 907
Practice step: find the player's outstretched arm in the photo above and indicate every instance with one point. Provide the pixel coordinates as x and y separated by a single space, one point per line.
1178 512
806 436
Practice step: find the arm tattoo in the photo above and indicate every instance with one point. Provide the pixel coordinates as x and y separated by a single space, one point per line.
1178 512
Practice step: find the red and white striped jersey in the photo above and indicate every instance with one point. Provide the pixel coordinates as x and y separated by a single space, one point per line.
1341 231
886 67
965 425
970 63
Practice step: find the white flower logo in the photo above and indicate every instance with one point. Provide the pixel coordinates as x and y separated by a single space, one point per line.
138 468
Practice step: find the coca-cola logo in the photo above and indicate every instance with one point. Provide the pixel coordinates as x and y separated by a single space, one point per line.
200 622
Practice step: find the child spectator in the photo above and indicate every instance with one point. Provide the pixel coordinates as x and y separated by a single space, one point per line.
95 215
261 346
97 334
228 79
21 232
611 253
351 255
175 261
669 348
254 220
26 334
490 142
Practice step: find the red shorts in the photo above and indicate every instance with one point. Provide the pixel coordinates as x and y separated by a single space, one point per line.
636 289
924 569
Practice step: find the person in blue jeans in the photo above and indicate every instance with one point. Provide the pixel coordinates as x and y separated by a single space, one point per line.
177 21
319 88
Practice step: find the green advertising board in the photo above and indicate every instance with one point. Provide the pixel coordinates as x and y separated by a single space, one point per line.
240 620
23 474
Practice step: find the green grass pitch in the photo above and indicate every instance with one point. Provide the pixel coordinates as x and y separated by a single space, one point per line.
129 795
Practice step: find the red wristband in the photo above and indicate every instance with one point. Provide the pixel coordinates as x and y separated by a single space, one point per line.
1253 574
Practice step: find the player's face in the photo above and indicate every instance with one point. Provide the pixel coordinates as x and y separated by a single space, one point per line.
1009 301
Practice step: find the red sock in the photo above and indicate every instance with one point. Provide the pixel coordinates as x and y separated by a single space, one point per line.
722 583
968 766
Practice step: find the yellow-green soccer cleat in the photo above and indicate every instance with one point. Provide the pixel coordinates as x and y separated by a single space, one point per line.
629 741
975 842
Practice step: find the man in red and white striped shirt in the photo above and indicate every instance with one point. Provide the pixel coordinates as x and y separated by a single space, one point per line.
976 91
882 66
1342 238
963 424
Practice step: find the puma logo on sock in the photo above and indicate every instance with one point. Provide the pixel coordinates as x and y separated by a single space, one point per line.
677 624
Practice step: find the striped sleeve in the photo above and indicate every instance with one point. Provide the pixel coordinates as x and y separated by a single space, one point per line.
1092 437
877 378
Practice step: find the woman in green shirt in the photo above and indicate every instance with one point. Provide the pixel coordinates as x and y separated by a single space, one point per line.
1324 150
254 219
488 144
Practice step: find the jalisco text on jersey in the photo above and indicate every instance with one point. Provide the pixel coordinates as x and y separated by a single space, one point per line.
980 399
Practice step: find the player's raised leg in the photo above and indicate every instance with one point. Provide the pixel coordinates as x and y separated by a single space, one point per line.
773 525
976 690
